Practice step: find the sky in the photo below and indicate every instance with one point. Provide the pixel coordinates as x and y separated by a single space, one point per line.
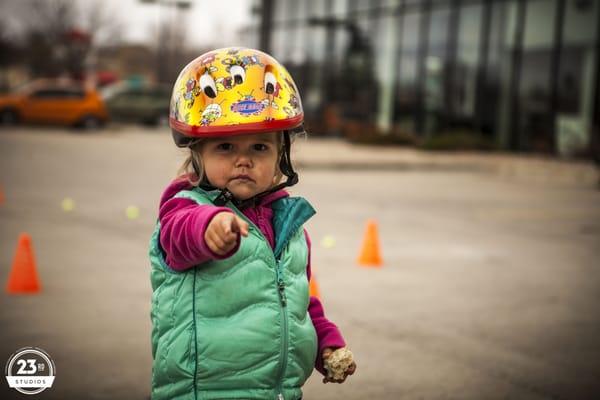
216 22
209 23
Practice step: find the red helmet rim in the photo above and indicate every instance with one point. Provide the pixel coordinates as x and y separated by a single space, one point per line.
234 130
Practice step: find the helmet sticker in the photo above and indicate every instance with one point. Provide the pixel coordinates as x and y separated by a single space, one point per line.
208 59
243 61
225 83
175 109
290 85
191 91
247 106
210 114
270 103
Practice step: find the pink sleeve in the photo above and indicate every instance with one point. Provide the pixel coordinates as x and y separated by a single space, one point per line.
182 226
328 334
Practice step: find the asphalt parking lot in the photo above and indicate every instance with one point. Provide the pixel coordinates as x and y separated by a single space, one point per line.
489 290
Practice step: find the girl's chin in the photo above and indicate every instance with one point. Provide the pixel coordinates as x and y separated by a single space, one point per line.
242 193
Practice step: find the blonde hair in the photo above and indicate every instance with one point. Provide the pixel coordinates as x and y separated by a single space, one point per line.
193 171
192 165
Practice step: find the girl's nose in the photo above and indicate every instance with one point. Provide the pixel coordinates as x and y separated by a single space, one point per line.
243 160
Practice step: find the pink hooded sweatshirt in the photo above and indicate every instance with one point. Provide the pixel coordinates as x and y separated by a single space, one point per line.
183 223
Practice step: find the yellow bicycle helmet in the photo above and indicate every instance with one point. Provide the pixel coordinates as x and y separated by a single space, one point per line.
236 91
233 91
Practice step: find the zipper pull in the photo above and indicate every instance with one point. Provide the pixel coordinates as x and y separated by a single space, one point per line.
281 286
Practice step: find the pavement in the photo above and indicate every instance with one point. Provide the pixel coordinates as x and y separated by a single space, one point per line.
338 154
489 288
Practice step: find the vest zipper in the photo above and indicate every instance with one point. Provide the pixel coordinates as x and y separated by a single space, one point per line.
284 314
284 323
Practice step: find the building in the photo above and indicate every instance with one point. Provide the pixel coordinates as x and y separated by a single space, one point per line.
522 74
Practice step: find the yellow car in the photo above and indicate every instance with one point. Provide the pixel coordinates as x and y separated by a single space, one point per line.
54 103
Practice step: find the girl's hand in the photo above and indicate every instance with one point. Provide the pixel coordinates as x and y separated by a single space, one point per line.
221 233
349 371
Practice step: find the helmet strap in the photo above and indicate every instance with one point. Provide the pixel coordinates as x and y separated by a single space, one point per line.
196 167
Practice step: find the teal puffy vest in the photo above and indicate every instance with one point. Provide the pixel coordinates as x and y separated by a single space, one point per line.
236 328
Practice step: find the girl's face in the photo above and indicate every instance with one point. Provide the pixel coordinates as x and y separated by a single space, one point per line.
246 165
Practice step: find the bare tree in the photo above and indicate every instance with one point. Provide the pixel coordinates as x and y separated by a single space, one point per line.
61 35
102 23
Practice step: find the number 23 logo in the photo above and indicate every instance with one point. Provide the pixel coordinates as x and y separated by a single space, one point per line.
23 364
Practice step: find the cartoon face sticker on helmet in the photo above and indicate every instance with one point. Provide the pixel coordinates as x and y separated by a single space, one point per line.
208 58
242 61
290 85
210 114
191 91
175 108
238 87
270 103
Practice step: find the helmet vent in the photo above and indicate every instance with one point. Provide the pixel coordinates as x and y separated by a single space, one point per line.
210 92
270 89
208 86
238 73
270 82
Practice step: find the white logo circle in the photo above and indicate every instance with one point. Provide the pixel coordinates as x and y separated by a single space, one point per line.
30 370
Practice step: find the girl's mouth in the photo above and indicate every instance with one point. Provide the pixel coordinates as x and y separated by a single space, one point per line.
243 178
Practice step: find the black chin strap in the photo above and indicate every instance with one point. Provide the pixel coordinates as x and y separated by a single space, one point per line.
285 165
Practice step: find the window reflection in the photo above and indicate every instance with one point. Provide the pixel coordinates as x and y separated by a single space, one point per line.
406 99
497 67
436 69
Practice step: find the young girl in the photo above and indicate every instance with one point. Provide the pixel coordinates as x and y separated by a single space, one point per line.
231 312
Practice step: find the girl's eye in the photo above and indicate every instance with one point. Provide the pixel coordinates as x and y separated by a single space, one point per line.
260 147
224 146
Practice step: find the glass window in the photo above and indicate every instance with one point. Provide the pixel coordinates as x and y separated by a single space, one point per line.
317 34
340 8
580 22
280 11
315 54
575 77
497 90
362 5
535 122
342 37
406 99
436 67
577 72
279 42
385 68
467 59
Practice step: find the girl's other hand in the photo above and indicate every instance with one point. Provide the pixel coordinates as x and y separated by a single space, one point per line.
349 371
222 232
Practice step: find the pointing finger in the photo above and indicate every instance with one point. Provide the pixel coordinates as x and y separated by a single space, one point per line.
239 225
227 223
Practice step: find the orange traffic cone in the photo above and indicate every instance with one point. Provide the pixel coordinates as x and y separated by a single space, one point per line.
313 288
370 255
23 277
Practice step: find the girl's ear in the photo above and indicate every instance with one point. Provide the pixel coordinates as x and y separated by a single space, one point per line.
278 176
